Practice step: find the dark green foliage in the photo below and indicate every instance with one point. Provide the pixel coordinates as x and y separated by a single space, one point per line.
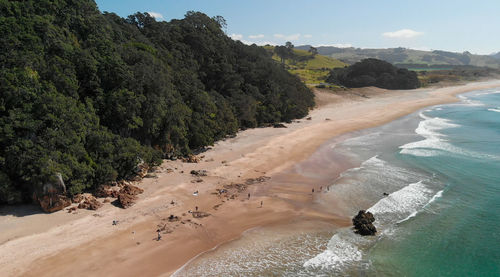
91 95
373 72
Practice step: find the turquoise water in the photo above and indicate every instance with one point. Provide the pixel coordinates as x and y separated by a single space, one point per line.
441 169
459 233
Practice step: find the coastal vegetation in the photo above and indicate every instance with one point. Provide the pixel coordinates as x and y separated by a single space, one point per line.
86 97
373 72
308 65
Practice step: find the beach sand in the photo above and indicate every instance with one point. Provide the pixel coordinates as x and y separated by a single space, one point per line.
86 243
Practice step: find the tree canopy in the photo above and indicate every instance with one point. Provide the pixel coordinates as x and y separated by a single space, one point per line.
90 95
373 72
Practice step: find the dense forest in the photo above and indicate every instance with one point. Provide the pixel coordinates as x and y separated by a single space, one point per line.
373 72
88 96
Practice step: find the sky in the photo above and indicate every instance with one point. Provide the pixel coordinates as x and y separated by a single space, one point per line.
451 25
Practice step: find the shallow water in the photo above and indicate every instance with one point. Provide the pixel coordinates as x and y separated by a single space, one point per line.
441 168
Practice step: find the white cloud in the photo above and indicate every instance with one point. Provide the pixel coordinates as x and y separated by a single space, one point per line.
236 36
338 45
156 15
403 33
291 37
308 36
256 36
259 43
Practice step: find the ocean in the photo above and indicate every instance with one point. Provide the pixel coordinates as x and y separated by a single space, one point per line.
441 170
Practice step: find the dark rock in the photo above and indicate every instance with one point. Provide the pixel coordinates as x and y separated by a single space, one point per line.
363 223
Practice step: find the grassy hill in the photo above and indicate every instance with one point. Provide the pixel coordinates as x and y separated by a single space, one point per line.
409 58
311 69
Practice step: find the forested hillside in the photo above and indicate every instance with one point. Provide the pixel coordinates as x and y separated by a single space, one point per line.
92 95
409 58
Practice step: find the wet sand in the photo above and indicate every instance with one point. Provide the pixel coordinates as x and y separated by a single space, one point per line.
88 244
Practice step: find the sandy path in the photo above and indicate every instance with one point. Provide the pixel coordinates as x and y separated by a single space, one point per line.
87 244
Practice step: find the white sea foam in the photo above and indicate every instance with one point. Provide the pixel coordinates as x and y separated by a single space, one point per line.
434 140
413 214
435 143
470 102
487 92
341 251
403 202
495 110
344 248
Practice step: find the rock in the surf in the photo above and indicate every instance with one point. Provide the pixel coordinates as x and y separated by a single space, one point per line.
363 223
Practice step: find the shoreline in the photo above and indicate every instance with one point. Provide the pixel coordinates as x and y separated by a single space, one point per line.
113 250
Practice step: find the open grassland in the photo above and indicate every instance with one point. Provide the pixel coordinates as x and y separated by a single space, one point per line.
311 69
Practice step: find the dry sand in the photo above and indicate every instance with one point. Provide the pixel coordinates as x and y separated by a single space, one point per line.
86 243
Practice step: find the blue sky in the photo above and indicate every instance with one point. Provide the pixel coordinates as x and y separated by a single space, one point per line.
456 25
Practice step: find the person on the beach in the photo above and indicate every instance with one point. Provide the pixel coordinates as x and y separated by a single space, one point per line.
196 208
261 202
249 196
321 188
159 234
313 190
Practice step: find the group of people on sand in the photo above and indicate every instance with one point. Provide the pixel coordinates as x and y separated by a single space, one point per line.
321 189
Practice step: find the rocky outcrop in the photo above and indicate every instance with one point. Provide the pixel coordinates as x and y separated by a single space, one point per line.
107 191
363 223
53 197
126 200
90 203
191 159
52 203
128 194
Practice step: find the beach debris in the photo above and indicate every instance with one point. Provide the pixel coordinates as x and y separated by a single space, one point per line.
89 202
141 170
151 175
199 173
385 194
195 193
363 223
72 209
190 159
173 218
279 125
327 119
209 160
199 214
261 179
309 118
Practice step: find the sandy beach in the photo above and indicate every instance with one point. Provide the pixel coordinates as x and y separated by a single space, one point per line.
257 162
